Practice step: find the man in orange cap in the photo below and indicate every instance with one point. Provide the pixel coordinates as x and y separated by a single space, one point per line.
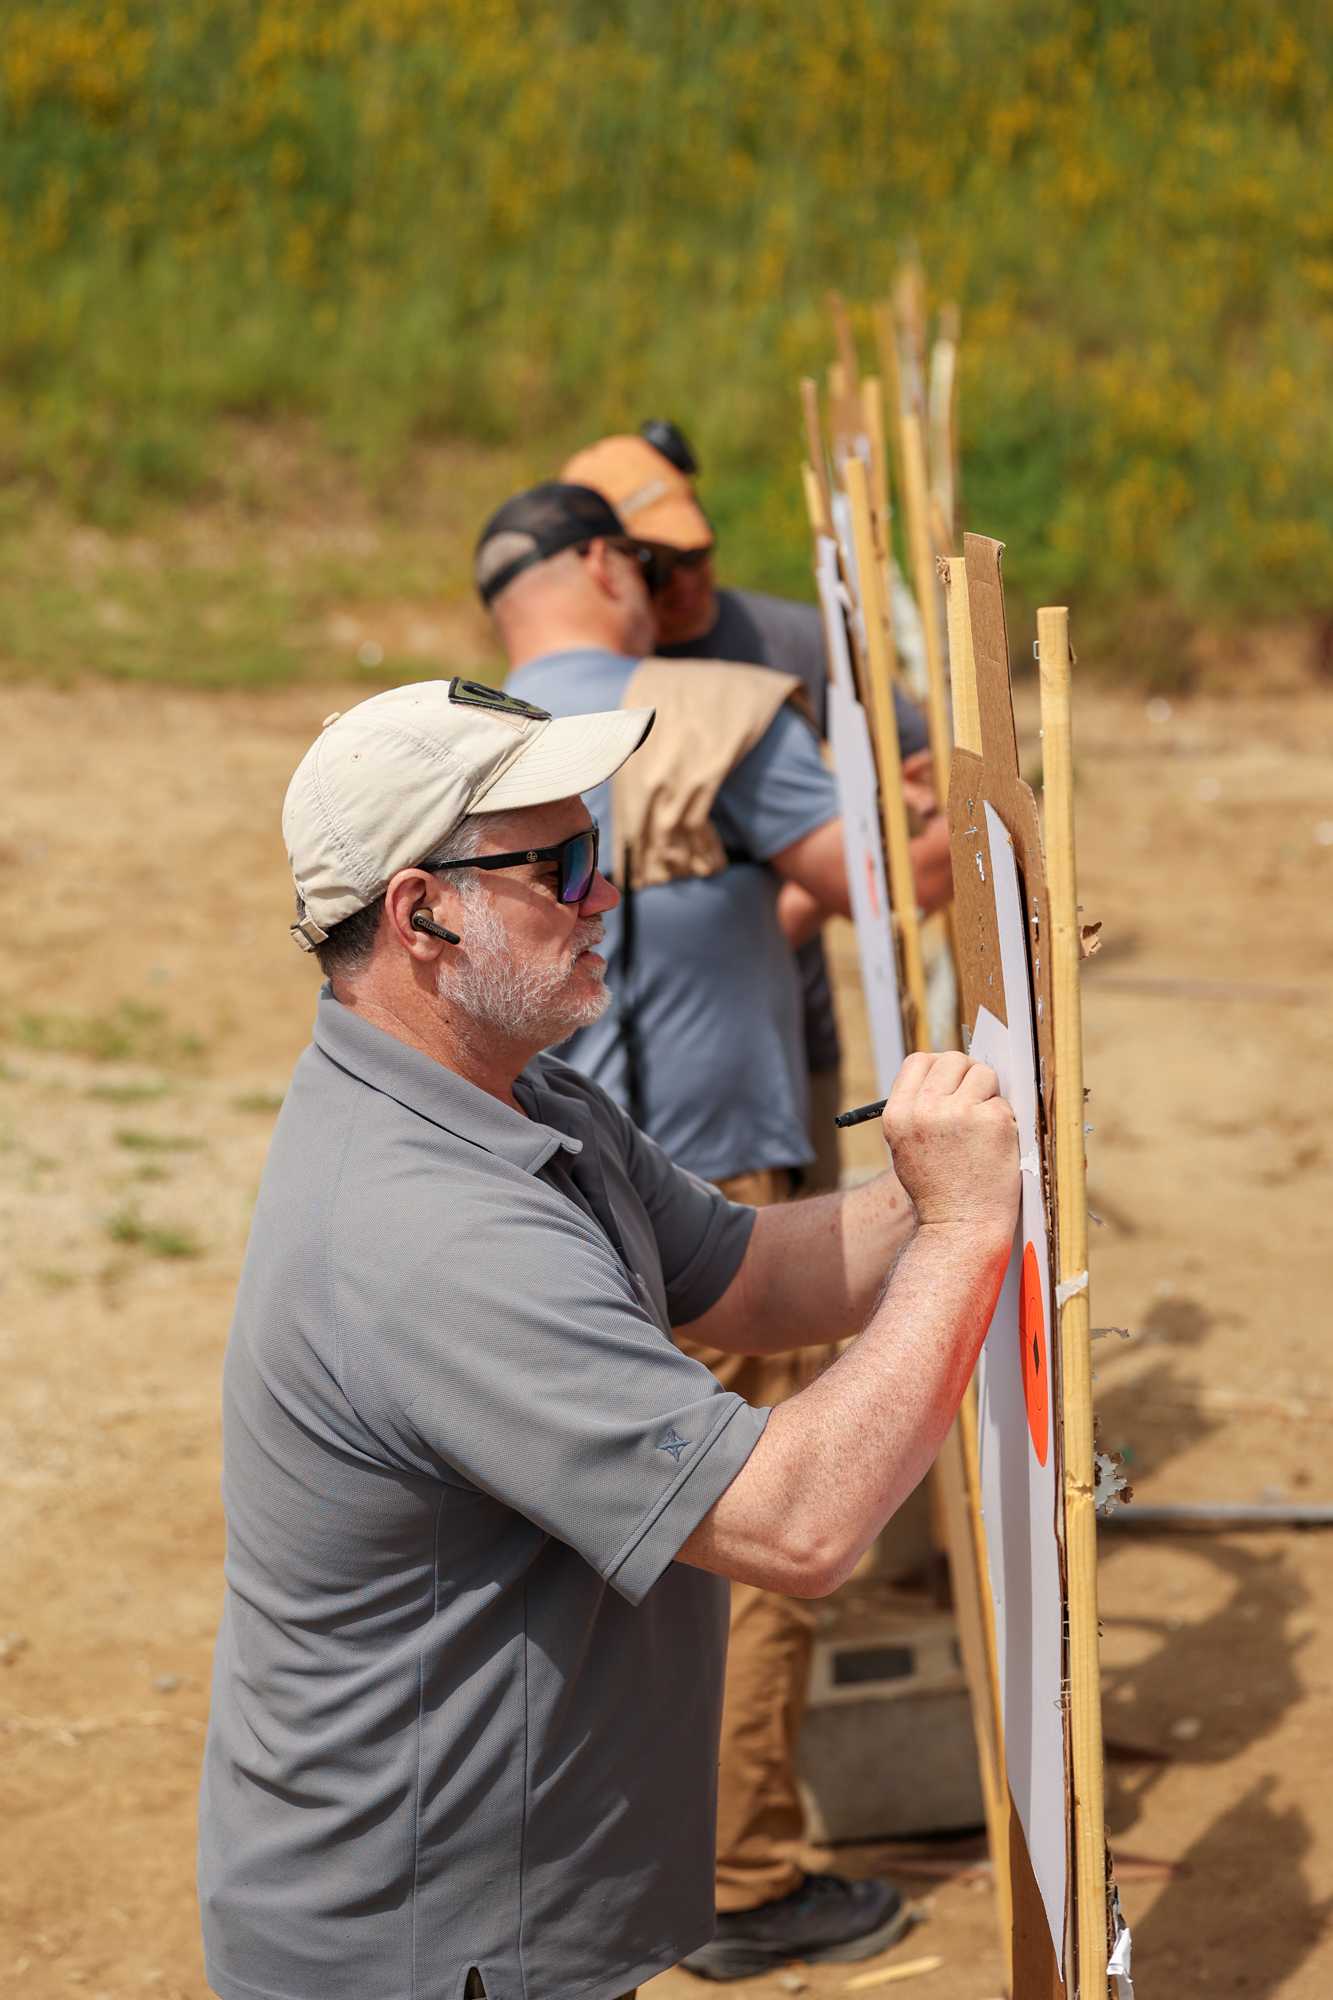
761 1886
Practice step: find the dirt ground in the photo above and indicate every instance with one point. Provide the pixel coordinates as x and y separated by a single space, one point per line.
154 1006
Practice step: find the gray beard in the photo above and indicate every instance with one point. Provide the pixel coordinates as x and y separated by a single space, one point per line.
499 994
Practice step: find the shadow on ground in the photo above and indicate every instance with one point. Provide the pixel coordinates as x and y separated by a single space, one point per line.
1210 1687
1227 1923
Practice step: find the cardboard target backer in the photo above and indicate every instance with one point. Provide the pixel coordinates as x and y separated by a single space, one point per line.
1003 928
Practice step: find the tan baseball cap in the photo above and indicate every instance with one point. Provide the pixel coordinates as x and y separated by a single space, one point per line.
385 784
653 497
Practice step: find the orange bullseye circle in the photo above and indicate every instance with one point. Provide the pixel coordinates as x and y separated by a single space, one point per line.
1032 1348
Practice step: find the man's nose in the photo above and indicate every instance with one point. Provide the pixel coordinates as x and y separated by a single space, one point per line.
602 895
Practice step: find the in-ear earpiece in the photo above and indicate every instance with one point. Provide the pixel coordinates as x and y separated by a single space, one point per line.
421 922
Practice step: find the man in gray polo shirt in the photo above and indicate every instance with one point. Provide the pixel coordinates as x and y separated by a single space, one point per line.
465 1704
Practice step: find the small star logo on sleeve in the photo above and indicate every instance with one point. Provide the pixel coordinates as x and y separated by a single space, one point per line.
673 1443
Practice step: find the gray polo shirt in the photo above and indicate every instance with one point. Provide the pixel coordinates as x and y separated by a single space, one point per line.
465 1704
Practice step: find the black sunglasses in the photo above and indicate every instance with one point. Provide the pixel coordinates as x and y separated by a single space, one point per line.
646 554
667 561
577 858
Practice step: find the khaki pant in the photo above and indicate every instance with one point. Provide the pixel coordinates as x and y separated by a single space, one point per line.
760 1819
821 1176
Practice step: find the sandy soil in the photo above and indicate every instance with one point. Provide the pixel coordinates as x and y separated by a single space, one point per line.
140 863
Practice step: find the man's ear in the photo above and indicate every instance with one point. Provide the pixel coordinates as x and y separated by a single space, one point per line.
599 567
414 893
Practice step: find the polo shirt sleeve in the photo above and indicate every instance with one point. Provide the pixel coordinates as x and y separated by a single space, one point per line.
778 793
701 1237
523 1364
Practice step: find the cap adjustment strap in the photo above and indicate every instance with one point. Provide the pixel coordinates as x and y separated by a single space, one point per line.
308 933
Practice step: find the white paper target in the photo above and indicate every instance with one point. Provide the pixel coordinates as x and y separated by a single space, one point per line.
858 800
1016 1422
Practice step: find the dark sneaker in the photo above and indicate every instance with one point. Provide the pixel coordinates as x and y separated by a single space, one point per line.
823 1921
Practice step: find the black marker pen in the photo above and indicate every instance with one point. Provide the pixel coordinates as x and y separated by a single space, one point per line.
861 1116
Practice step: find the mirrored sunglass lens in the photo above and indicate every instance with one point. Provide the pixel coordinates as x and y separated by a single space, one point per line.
580 861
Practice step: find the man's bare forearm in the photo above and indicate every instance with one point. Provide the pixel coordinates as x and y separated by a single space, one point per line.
812 1271
836 1460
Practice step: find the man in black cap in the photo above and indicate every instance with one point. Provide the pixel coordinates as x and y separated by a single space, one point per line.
727 806
732 800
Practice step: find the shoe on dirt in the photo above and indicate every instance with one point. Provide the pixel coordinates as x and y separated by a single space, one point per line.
824 1920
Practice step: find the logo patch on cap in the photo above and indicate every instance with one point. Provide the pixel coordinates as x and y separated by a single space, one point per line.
475 694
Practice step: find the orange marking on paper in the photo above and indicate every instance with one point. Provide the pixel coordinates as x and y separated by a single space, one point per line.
1032 1348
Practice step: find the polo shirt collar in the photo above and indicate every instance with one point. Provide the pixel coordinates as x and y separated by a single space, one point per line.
426 1087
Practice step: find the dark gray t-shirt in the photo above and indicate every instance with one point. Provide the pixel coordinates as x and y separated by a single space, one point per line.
776 632
465 1705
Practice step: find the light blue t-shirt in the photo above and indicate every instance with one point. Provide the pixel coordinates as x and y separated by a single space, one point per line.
713 985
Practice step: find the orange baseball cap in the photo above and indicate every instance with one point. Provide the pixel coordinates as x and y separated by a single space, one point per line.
653 497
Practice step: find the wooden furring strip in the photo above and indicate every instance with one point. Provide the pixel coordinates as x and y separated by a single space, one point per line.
963 665
956 1481
1066 1123
884 723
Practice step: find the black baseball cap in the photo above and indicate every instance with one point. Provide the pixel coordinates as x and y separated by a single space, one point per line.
671 441
538 524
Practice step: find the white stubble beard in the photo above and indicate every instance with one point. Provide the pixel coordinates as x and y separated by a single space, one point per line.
527 1002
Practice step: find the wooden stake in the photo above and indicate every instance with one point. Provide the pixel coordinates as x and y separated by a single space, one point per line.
963 679
837 412
842 334
925 582
872 422
815 505
940 531
1085 1725
884 722
909 302
942 431
913 485
872 416
814 438
886 341
844 396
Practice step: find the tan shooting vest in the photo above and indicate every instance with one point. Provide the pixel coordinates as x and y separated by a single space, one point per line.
710 714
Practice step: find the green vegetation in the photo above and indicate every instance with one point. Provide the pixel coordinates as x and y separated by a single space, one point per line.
159 1142
259 1100
521 223
126 1093
130 1032
128 1226
53 1278
68 599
